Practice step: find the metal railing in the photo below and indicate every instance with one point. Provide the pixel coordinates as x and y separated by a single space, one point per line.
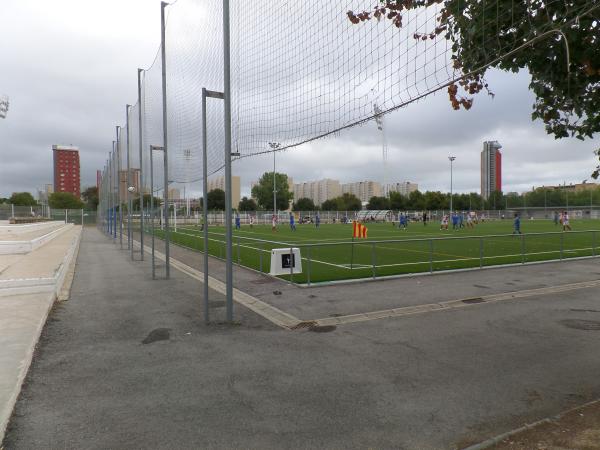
374 259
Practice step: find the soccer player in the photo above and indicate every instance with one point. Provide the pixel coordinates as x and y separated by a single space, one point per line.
237 221
274 223
461 218
402 222
444 225
517 224
292 222
470 221
454 221
317 220
556 218
565 221
424 218
251 221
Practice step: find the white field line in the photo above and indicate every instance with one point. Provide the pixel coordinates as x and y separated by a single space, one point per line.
262 250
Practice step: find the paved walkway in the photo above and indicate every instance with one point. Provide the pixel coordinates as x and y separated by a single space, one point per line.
128 363
23 316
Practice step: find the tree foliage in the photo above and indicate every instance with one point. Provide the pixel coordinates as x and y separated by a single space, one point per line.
135 203
378 203
304 204
263 191
64 200
558 42
22 199
215 200
247 204
345 202
90 196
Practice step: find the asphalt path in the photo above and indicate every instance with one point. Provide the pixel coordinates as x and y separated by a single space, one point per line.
127 362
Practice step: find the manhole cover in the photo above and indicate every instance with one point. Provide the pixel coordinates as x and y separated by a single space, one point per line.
580 324
470 301
158 334
322 329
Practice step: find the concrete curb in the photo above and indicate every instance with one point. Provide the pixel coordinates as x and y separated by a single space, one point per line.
497 439
68 262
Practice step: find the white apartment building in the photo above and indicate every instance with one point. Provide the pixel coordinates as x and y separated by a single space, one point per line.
318 191
219 183
364 190
404 188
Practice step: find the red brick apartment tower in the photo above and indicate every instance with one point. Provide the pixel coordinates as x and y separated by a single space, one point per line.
66 169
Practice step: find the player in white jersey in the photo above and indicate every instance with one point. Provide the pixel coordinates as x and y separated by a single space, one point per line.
565 221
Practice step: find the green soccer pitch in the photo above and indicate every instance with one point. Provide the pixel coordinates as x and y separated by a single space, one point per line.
329 254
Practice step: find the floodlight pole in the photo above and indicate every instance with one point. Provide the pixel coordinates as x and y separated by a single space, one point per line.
129 243
274 146
152 149
227 129
451 158
141 182
163 5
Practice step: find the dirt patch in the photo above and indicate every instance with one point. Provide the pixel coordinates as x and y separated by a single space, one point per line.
578 429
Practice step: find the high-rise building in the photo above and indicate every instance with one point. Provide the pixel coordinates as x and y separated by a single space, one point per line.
404 188
318 191
219 183
491 168
364 190
66 169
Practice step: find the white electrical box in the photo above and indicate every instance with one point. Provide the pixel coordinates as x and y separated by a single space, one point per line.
284 262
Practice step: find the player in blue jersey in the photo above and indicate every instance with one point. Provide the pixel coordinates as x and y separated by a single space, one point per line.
237 221
292 222
317 220
517 224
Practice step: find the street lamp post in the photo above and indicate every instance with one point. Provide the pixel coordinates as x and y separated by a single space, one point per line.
451 158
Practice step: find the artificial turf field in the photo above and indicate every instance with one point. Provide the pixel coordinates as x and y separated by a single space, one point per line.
329 254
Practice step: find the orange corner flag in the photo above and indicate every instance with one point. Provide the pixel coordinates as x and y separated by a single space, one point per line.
359 230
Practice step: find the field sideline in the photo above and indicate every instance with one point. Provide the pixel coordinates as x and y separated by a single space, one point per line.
329 254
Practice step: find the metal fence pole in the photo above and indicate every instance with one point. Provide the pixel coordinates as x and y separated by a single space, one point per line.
163 5
152 210
308 265
522 249
238 249
373 259
205 205
129 231
593 243
119 170
227 132
430 255
141 181
481 253
292 263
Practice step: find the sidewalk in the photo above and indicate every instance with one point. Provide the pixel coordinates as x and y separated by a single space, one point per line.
29 285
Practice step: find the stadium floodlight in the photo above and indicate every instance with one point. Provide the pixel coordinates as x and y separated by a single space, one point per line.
451 158
3 106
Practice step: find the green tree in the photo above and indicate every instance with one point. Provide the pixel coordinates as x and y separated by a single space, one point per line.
349 202
90 196
304 204
556 42
496 200
378 203
247 204
22 199
397 201
4 200
64 200
416 200
263 191
330 205
435 200
215 200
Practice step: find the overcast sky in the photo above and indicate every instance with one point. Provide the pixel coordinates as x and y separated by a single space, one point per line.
69 68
